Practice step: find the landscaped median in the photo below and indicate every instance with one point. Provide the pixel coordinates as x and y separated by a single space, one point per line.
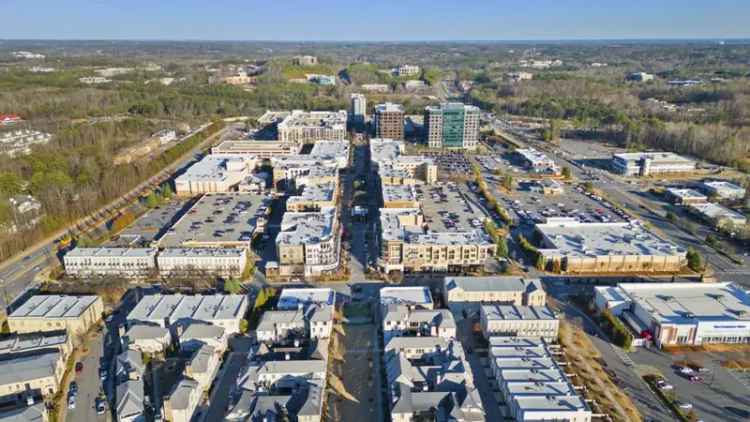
668 397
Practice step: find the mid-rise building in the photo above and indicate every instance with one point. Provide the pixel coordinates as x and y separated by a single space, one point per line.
259 149
228 262
42 313
308 242
309 126
452 126
389 121
518 321
648 163
123 262
574 247
395 168
680 313
358 109
40 373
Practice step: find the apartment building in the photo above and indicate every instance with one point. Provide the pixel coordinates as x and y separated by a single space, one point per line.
42 313
649 163
508 290
303 127
452 126
15 344
574 247
308 242
518 321
389 121
259 149
227 262
147 338
406 246
400 196
394 167
194 335
122 262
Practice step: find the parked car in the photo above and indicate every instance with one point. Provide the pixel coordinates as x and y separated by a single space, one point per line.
79 367
73 388
663 385
683 405
72 402
100 406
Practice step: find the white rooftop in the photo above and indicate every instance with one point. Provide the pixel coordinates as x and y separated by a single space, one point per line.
112 252
178 307
655 157
54 306
306 227
519 313
572 238
291 298
417 295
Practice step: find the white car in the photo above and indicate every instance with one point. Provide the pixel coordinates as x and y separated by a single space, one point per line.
72 402
683 405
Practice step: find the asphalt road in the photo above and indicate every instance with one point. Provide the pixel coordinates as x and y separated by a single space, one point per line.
89 386
18 273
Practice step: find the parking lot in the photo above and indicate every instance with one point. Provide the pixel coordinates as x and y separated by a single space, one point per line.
718 395
219 220
447 207
450 162
151 225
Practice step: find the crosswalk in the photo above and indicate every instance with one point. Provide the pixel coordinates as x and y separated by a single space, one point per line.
622 355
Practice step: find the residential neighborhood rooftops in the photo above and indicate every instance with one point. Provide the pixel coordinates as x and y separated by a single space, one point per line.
492 283
200 307
54 306
512 312
291 298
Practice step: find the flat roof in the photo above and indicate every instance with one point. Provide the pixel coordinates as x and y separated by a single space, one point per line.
685 193
716 211
510 375
326 119
19 343
690 302
54 306
159 307
203 252
655 157
252 147
388 107
333 149
723 185
112 252
290 298
517 313
317 192
417 295
217 168
399 193
306 227
552 403
572 238
218 218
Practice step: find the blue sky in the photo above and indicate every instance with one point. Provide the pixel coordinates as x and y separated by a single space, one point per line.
374 19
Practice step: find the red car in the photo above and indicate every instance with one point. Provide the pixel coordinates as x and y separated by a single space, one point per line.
79 367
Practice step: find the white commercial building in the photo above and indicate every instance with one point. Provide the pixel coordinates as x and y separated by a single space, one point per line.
648 163
574 247
683 196
358 109
222 261
518 321
537 161
718 215
215 173
226 311
724 189
681 313
124 262
407 70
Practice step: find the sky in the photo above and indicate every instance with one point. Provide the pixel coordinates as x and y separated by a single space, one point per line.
374 20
